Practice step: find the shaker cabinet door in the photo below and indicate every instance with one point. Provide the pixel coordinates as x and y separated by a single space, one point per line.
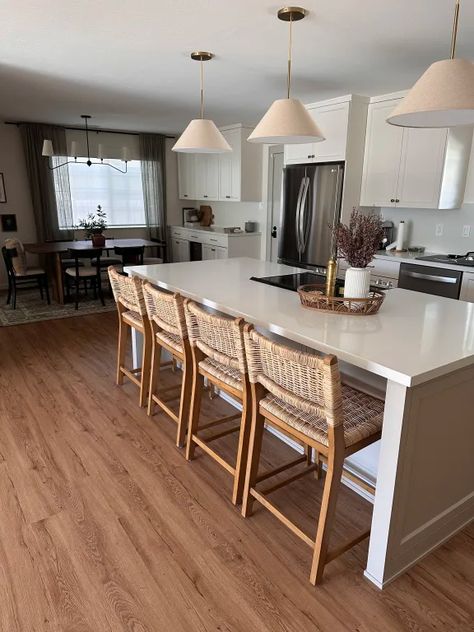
382 157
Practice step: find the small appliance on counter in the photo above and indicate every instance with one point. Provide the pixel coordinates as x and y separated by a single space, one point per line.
387 238
250 227
191 216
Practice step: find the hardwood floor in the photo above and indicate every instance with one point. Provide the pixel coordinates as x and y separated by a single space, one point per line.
105 527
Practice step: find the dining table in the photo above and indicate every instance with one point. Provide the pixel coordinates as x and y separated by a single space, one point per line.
53 251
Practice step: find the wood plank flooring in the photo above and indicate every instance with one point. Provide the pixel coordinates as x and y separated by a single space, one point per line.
105 527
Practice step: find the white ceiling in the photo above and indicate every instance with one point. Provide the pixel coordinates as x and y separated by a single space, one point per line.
127 62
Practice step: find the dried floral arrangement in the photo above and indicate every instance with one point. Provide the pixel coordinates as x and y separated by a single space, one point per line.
358 242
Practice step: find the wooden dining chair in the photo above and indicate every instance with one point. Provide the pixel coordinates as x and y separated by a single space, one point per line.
132 314
82 272
301 395
217 349
168 326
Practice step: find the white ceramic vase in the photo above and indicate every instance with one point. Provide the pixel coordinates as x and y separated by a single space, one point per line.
357 283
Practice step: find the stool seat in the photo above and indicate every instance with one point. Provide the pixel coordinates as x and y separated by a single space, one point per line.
362 416
228 375
133 318
173 340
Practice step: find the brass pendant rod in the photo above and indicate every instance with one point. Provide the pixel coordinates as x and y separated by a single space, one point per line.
202 87
455 29
290 45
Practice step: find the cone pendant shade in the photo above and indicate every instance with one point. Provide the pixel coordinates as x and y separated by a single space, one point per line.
202 137
286 121
442 97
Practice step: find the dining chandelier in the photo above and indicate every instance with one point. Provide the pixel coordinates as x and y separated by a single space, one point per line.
48 151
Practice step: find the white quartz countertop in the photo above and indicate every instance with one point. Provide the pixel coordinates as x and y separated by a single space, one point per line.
218 230
414 338
405 257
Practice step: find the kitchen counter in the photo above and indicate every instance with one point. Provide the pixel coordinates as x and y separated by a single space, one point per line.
424 346
405 257
218 230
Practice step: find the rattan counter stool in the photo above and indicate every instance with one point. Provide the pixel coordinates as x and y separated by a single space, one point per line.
301 395
168 326
131 310
217 348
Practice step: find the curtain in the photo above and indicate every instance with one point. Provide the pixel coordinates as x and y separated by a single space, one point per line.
50 192
152 156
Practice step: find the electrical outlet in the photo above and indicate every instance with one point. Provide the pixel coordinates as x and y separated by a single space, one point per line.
439 230
466 230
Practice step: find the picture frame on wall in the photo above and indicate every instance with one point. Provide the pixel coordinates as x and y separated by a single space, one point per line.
3 193
8 223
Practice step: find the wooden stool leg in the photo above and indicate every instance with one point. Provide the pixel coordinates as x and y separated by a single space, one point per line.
186 396
309 454
326 516
154 373
196 395
122 347
146 360
255 446
242 450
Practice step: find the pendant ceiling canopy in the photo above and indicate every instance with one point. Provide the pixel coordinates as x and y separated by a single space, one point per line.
443 96
287 120
201 135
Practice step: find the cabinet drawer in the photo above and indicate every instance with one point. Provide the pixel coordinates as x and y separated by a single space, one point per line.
215 240
390 269
178 232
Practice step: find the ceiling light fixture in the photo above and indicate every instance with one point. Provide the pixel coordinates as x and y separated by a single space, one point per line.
287 120
49 152
201 135
443 96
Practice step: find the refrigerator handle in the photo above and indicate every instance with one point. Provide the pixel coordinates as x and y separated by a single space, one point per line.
335 218
297 217
302 222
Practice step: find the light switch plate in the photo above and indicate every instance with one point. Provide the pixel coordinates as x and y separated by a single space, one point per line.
439 230
466 230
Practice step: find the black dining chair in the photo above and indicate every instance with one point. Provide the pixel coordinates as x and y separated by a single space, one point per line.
23 279
81 272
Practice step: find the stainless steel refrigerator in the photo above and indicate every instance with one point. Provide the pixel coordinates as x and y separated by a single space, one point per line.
311 204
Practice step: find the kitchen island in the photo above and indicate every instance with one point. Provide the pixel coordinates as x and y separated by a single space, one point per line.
421 347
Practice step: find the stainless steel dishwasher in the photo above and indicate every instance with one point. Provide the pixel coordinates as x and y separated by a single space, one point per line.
430 280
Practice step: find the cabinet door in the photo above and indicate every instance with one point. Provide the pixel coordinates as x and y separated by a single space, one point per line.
186 176
332 120
421 168
298 153
176 250
207 176
221 252
230 167
184 250
383 150
208 252
467 287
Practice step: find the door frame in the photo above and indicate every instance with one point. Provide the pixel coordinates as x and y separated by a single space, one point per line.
272 151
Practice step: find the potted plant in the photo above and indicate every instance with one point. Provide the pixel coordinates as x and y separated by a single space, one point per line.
94 225
357 243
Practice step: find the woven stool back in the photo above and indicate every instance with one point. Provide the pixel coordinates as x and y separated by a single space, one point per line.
166 310
306 381
127 291
219 337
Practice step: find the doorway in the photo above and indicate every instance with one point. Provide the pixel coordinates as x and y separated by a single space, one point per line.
275 179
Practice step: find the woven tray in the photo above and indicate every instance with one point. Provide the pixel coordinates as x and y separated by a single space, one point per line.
313 297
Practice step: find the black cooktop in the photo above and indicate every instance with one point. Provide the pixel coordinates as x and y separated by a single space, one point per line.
460 260
293 281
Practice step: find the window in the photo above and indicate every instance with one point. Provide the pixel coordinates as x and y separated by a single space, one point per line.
119 194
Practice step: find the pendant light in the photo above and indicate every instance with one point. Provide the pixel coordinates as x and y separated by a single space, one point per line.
287 120
443 96
201 135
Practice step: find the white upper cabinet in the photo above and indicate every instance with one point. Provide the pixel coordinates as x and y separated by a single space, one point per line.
332 118
235 176
186 176
412 168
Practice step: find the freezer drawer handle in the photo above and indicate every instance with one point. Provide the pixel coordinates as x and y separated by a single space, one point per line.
432 277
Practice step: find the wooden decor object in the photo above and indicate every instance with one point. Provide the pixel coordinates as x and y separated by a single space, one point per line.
207 217
314 297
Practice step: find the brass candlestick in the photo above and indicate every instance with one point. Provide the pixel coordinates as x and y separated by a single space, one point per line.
331 277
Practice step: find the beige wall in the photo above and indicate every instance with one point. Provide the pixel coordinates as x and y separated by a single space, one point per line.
12 165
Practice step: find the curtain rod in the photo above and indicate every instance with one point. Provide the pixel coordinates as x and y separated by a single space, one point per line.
81 129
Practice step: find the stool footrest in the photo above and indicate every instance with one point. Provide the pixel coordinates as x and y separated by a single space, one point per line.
282 468
289 480
213 454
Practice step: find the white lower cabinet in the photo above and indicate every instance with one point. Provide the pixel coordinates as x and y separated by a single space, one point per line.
180 249
467 287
